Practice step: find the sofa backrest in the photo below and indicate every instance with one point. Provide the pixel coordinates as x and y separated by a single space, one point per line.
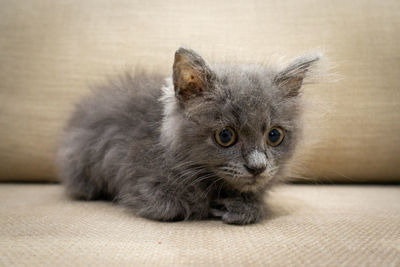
51 51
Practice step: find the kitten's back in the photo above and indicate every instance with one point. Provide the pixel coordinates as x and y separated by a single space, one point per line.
112 126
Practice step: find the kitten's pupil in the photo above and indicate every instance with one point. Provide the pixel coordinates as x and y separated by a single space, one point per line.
225 136
274 135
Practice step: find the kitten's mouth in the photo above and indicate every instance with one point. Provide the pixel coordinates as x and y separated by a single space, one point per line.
254 179
251 181
243 179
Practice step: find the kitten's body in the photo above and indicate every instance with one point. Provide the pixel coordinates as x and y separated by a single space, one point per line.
154 150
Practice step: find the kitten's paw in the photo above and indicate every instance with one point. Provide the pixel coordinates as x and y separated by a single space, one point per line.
233 211
157 206
168 210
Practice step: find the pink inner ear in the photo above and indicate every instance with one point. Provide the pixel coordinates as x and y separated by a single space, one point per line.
190 73
190 89
189 84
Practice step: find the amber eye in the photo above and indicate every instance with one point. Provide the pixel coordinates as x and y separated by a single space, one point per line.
225 136
275 136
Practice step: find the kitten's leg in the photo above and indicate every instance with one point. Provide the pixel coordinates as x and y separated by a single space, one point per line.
74 172
242 209
152 200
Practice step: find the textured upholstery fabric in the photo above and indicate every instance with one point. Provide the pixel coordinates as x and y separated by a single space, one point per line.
50 51
308 226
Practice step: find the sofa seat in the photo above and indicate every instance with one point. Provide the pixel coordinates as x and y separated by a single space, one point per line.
348 225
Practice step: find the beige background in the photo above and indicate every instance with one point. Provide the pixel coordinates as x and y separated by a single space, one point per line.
50 51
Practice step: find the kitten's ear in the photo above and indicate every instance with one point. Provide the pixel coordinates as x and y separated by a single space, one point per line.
191 74
291 78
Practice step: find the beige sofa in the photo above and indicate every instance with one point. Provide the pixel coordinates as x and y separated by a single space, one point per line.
52 51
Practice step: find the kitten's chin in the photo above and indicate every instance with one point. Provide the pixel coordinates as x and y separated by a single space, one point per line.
249 183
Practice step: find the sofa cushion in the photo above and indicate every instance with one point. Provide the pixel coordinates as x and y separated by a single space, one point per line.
51 51
307 226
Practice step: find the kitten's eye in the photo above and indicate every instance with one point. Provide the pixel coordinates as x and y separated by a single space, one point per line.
225 136
275 136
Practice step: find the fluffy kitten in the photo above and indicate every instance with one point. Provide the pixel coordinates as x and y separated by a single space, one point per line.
207 143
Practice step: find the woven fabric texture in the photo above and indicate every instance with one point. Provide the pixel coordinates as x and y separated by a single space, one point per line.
308 226
51 51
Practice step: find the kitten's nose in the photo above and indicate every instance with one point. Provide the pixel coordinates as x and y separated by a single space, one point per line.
256 162
254 171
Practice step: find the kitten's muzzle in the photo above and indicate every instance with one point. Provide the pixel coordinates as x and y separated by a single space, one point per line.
255 170
256 162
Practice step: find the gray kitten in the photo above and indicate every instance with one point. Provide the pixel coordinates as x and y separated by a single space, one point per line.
209 143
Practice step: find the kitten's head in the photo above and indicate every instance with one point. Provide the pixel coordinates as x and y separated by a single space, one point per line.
240 121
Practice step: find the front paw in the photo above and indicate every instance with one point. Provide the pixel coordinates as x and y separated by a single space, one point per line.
158 206
236 211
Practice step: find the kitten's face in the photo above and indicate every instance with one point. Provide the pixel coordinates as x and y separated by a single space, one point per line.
239 121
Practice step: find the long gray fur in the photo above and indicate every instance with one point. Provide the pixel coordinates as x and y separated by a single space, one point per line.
148 143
